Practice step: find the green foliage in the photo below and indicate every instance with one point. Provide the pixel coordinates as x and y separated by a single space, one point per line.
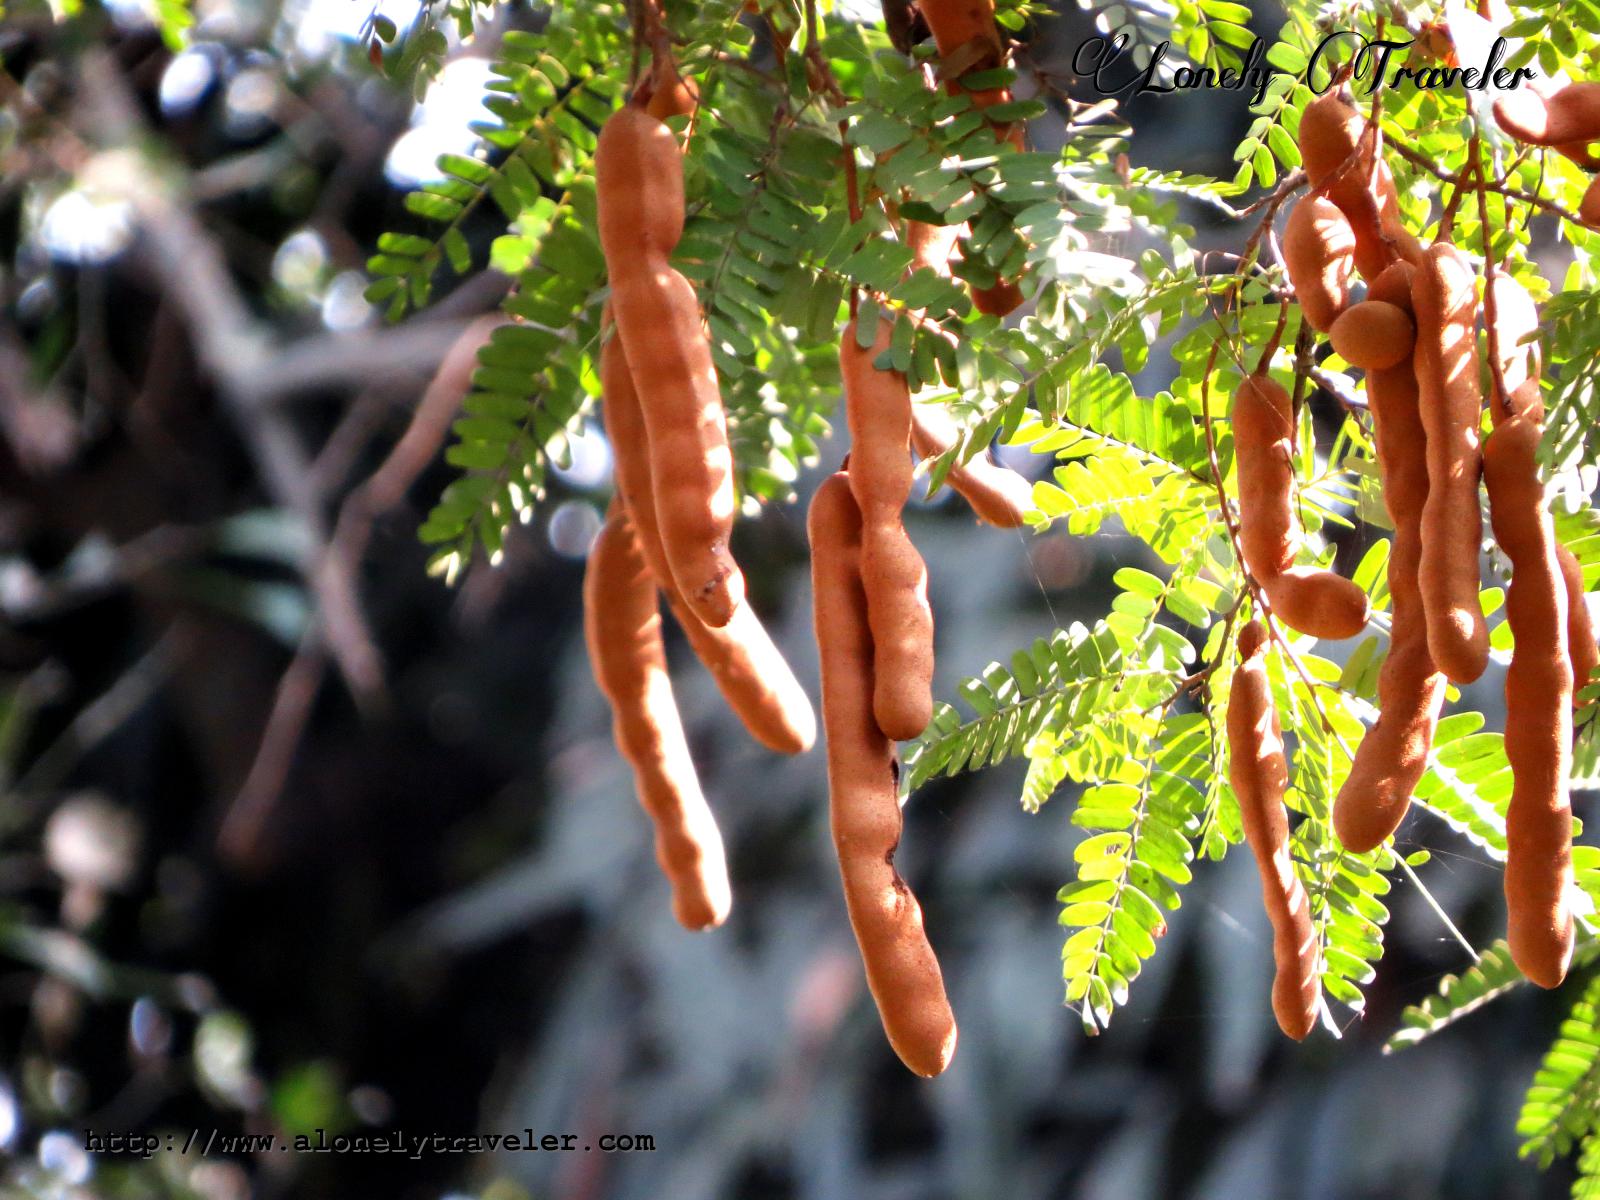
550 92
1563 1105
1492 976
1458 996
1145 814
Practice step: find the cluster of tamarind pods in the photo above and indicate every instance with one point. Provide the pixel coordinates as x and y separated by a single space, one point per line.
1415 336
668 531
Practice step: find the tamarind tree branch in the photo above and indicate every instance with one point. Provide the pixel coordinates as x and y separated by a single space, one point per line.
236 352
1499 187
1491 308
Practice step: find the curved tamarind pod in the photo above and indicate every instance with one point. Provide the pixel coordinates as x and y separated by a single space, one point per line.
1318 253
1373 335
1258 772
639 186
623 630
1330 134
878 407
864 809
1312 600
1581 648
1393 754
1445 302
997 494
1527 111
1589 206
671 95
1538 733
1517 330
748 669
1568 116
1318 602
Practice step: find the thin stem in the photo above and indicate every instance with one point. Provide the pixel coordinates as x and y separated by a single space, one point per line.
1438 909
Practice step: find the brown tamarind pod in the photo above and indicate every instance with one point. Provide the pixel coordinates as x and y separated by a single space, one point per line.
1527 111
671 95
1538 733
1581 647
997 494
864 809
878 407
1312 600
1259 773
639 186
1373 335
1445 303
748 669
622 627
1319 256
1589 206
1517 335
1001 300
1567 117
1364 190
1393 754
931 246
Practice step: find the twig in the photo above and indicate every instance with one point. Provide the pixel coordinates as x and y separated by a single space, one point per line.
1438 909
1499 187
240 835
1491 308
235 353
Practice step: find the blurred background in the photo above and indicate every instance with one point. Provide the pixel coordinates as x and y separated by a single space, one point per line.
294 838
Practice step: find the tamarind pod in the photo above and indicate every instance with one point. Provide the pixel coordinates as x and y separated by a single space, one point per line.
1317 602
1393 754
1589 206
1373 335
1258 772
878 408
997 494
671 94
747 668
639 186
863 805
1445 303
1330 133
1569 116
1309 599
1538 732
1318 254
1517 328
623 630
965 26
1001 300
1581 648
931 246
